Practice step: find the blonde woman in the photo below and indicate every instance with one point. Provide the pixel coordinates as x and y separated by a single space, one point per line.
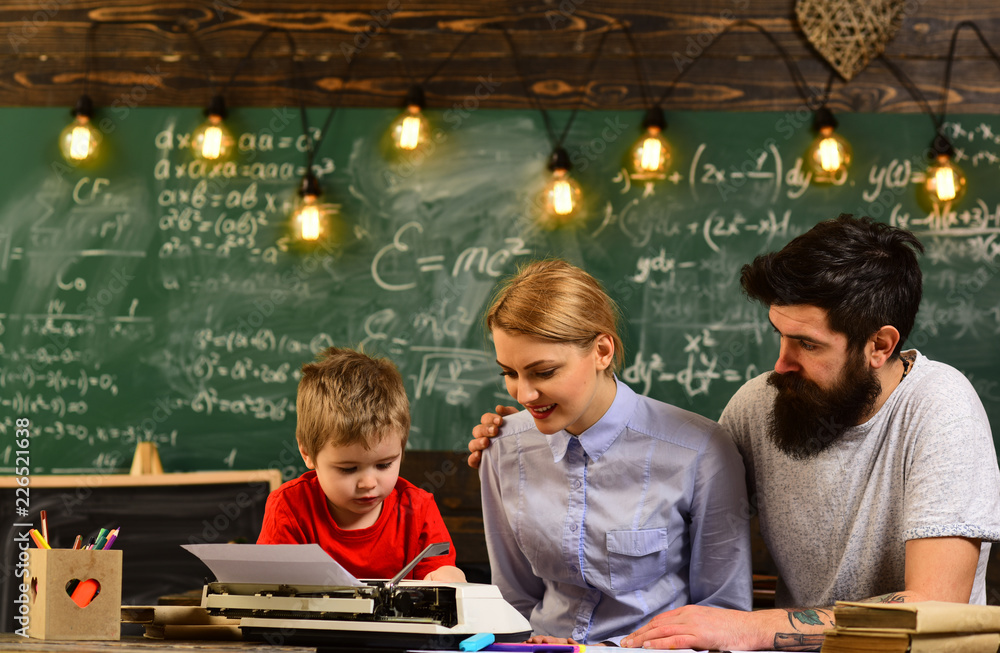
602 507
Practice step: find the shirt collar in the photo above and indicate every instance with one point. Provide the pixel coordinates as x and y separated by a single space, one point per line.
599 437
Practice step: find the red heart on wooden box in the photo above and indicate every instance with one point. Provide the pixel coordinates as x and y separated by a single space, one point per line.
83 591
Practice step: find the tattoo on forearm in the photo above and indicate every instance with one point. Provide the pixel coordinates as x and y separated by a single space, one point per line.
800 641
891 597
808 617
797 642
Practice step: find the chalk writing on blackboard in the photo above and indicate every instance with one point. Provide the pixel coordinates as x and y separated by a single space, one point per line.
160 298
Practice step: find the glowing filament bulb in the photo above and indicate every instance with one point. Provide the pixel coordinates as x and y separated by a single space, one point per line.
562 197
79 147
650 155
79 141
945 180
308 222
829 155
944 183
211 147
409 133
212 141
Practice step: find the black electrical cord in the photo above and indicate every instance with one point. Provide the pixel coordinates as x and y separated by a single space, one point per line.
951 58
85 105
797 77
451 55
940 144
826 91
312 146
556 142
639 73
912 90
208 68
416 93
88 56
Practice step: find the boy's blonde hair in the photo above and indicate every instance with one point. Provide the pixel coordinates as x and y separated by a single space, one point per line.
346 398
556 301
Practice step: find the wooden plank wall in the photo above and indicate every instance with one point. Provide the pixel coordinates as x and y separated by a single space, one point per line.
143 53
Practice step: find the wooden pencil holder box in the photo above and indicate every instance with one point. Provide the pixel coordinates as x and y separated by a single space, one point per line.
54 614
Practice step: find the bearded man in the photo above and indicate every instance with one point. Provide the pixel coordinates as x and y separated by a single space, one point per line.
873 468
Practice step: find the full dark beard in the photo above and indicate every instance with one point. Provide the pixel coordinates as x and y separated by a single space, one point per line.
808 419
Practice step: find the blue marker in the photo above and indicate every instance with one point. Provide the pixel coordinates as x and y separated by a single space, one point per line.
476 642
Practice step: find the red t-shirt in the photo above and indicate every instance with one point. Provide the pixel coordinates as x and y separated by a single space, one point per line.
297 513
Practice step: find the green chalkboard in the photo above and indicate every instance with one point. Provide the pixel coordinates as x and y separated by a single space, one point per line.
156 298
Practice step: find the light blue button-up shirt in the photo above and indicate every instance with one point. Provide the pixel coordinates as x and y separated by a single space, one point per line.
589 537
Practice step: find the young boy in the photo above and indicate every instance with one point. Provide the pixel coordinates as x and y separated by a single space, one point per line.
353 423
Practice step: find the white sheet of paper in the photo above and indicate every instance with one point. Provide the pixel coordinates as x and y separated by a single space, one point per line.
291 564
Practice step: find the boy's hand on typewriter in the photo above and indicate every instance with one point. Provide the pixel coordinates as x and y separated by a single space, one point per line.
447 574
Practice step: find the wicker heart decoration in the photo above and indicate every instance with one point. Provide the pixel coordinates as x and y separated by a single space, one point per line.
849 33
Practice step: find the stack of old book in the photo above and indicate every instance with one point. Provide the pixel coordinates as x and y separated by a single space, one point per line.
923 627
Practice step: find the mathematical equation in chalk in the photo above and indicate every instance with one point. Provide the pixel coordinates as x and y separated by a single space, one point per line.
261 339
977 249
977 136
395 265
46 356
23 404
219 234
59 380
760 167
254 144
284 287
960 317
452 372
211 218
716 229
208 401
978 219
703 368
137 329
207 367
125 435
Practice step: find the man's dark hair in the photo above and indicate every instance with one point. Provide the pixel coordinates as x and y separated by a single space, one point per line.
864 273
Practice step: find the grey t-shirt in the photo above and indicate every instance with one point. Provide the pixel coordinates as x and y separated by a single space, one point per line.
837 524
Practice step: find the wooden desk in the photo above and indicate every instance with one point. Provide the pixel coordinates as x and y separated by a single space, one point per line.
10 641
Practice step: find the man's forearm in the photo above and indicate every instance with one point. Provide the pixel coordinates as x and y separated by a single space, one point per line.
796 629
801 629
780 629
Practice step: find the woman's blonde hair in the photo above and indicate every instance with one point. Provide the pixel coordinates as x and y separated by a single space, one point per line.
556 301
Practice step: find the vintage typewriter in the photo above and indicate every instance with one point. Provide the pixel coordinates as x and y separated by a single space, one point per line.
392 613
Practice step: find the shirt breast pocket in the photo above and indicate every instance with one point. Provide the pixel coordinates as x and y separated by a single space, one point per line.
636 558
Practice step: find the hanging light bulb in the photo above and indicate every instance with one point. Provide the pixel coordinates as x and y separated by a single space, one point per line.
945 182
212 140
829 155
308 221
411 130
79 140
651 154
561 197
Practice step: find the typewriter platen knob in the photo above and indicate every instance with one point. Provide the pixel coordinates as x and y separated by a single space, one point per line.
402 603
